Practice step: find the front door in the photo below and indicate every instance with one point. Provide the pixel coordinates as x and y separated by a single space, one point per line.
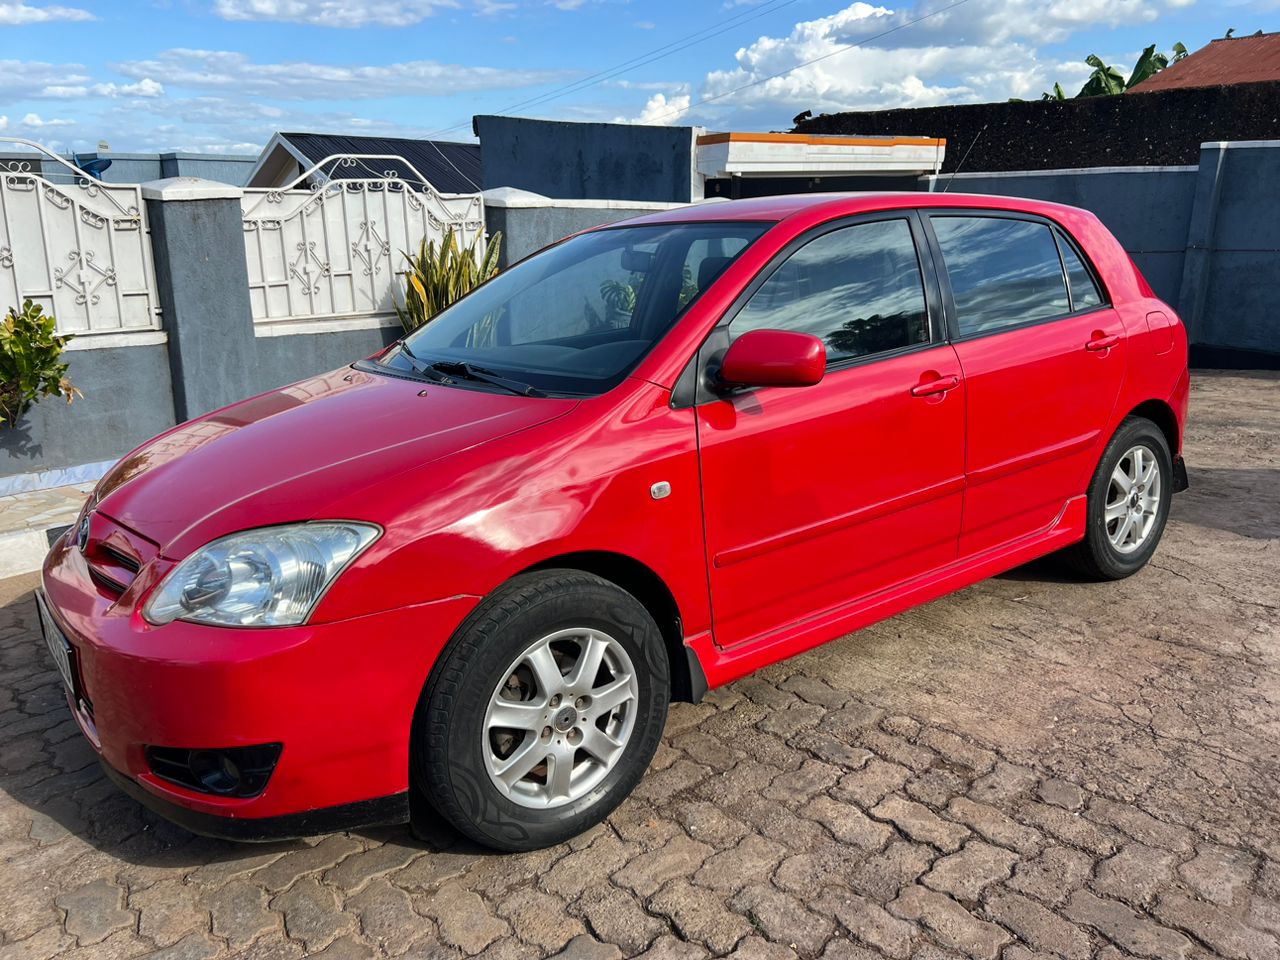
816 496
1043 358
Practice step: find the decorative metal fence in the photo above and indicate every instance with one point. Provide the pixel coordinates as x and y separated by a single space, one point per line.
329 245
79 247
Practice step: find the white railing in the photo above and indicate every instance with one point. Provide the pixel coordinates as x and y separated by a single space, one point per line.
79 247
328 247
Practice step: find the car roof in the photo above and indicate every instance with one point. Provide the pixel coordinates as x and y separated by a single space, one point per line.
823 205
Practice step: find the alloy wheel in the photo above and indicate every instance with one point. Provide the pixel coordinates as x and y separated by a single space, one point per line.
1133 499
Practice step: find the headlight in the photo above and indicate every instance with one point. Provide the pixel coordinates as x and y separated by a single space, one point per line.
270 577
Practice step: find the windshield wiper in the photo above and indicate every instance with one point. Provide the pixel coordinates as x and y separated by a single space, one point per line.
469 370
421 367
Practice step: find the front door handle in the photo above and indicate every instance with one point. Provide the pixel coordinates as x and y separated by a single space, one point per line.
1102 343
934 387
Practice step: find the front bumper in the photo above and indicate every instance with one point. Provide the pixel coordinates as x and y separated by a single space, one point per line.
339 696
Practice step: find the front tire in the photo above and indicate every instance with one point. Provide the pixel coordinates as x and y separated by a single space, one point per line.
543 712
1128 503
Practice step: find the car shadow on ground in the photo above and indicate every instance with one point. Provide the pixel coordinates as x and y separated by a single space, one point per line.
53 790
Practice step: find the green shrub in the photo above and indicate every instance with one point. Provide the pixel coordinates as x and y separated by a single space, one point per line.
30 362
440 274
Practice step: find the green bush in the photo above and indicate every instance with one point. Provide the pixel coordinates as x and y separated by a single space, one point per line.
30 362
439 275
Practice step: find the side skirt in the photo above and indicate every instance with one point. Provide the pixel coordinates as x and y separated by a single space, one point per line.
721 666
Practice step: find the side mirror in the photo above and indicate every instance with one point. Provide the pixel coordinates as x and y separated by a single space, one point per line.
774 358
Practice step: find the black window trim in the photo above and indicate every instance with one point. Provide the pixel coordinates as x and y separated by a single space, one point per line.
695 385
1056 230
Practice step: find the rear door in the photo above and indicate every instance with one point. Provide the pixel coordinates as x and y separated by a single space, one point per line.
1043 359
815 496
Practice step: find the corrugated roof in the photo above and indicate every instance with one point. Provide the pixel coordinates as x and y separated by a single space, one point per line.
449 167
1253 59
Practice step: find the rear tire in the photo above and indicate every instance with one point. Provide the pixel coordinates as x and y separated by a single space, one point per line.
1128 504
543 711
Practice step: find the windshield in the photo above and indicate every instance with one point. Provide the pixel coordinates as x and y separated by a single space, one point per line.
577 318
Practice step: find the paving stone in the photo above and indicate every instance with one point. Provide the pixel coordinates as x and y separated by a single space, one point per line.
584 947
1135 874
660 787
671 948
430 871
1125 927
348 948
637 822
240 913
1038 926
937 786
327 853
783 919
359 868
896 749
387 918
1139 825
751 859
882 875
920 823
964 875
1053 876
236 862
812 778
615 916
869 923
847 823
950 923
701 747
168 912
540 919
1070 828
194 946
844 724
815 691
698 916
707 822
1218 874
748 779
1217 927
993 825
680 857
1060 793
831 750
95 911
49 942
791 721
758 948
872 783
463 918
812 868
313 914
955 749
1003 784
589 866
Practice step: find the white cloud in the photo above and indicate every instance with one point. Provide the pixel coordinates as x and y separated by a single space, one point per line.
34 121
333 13
225 71
146 87
19 14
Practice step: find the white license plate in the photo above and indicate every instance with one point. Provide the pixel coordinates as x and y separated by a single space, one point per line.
59 649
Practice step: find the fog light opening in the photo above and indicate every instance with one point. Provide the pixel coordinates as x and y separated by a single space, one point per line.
224 772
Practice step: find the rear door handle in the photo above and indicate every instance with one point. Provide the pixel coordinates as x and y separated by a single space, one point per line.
1102 343
934 387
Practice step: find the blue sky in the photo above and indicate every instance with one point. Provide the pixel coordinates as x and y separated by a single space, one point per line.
222 75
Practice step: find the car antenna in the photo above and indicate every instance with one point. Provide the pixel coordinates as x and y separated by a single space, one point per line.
963 159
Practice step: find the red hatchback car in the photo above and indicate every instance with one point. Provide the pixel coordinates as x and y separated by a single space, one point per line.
464 578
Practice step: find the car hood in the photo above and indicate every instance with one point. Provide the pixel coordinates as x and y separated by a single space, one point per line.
285 455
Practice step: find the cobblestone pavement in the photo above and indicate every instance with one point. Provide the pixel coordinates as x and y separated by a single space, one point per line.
1033 767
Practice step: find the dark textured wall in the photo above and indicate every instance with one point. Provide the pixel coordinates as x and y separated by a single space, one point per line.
1131 129
581 161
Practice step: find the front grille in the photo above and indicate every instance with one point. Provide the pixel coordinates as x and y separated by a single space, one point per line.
114 553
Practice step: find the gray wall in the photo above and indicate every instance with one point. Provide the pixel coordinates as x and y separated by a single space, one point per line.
282 360
576 161
1206 237
127 398
527 229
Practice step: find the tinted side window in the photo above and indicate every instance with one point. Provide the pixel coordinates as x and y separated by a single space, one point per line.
1084 292
1003 272
858 288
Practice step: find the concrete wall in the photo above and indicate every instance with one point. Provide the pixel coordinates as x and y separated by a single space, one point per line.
529 222
577 161
281 360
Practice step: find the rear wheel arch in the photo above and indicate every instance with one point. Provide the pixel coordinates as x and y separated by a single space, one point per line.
640 580
1162 415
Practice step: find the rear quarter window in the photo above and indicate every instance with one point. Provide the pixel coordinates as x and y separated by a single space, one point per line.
1004 272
